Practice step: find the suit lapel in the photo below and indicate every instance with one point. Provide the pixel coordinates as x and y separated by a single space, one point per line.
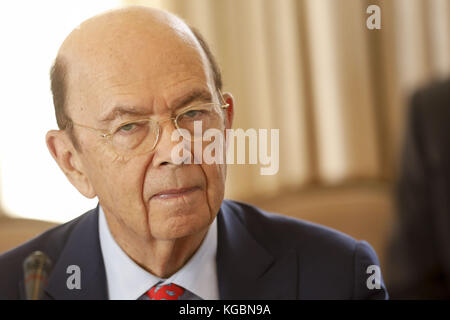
245 269
82 250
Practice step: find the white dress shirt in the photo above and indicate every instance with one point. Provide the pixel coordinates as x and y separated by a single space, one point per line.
128 281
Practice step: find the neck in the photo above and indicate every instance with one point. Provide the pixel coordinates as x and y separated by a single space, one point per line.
162 258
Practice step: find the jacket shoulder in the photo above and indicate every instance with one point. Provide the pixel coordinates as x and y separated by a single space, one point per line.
275 230
332 265
51 242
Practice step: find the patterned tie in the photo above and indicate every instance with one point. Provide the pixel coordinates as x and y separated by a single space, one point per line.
166 292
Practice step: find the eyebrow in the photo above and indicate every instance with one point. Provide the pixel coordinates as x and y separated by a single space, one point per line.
121 110
195 95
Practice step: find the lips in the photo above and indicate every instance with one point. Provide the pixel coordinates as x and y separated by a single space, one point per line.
174 193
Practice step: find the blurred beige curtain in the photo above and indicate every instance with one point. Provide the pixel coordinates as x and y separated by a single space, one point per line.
312 69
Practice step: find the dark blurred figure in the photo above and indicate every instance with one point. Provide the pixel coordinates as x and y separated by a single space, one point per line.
419 255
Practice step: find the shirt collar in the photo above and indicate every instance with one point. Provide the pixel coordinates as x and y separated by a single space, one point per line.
128 281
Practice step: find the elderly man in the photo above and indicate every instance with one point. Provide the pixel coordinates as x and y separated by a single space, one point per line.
123 82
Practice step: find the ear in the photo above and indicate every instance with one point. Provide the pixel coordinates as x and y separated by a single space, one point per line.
67 157
228 97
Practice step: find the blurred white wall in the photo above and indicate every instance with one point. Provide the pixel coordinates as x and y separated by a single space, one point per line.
32 186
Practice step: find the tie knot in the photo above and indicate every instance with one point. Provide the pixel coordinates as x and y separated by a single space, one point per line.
167 292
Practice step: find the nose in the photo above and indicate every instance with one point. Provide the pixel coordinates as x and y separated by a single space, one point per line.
164 145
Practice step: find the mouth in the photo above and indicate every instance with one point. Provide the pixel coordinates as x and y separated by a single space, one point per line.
174 193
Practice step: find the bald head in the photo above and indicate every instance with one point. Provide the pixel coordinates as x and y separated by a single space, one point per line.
112 75
127 44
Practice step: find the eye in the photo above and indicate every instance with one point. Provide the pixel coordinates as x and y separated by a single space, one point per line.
127 127
193 113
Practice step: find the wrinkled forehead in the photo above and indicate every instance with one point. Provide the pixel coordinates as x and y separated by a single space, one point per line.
127 33
128 54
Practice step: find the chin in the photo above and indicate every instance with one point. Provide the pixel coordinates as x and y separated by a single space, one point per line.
179 223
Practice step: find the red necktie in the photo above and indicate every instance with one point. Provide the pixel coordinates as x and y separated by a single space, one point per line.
166 292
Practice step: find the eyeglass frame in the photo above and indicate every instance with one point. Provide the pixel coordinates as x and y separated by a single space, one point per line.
108 135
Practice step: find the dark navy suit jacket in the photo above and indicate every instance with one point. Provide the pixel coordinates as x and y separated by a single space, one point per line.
260 255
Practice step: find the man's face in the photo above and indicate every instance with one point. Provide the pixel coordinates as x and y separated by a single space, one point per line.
147 195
